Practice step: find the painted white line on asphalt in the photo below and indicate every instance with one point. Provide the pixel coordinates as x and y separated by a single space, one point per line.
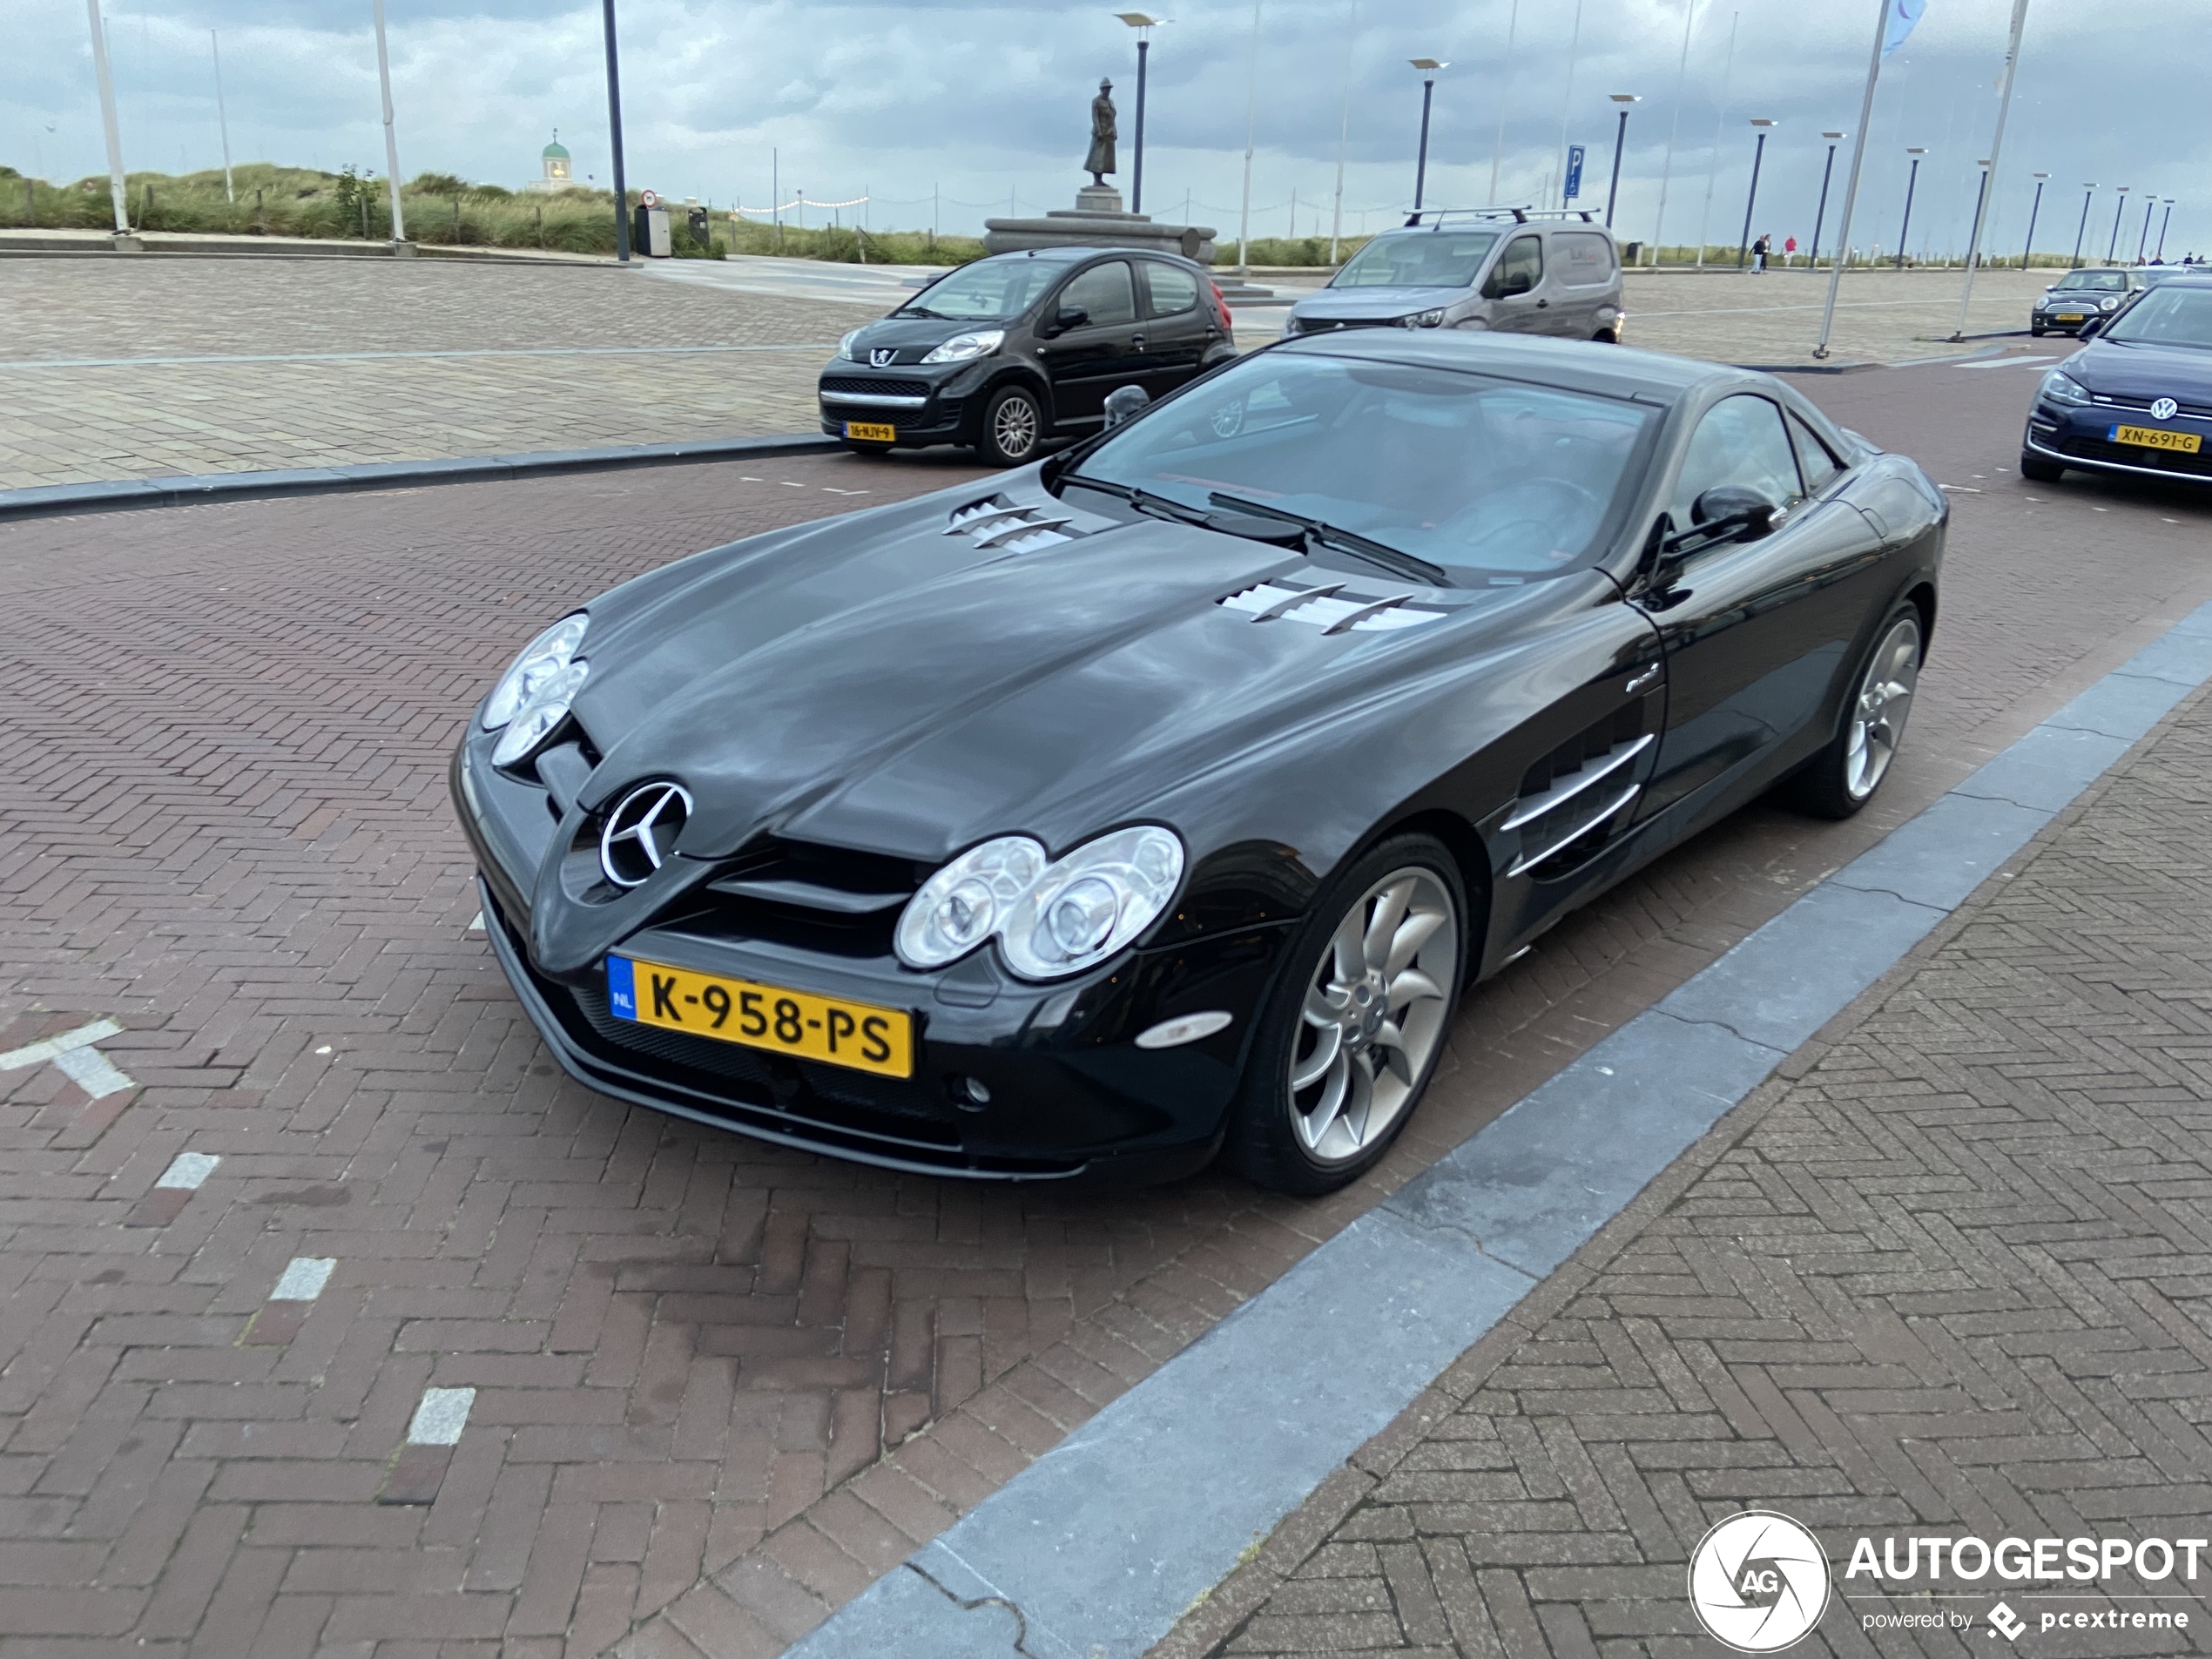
476 922
2008 362
304 1278
324 1050
93 1071
440 1417
187 1169
33 1053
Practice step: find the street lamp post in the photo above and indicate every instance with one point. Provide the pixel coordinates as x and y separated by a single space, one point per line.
1344 133
1751 202
2112 242
391 142
2034 207
1498 153
1428 67
2089 193
118 193
1912 181
1251 125
2150 207
2160 257
1973 237
1820 215
1144 26
1620 141
222 120
614 137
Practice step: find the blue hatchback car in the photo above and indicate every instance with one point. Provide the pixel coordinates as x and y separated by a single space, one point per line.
2137 399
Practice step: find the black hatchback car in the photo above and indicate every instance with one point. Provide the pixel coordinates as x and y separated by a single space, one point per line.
2137 399
1009 351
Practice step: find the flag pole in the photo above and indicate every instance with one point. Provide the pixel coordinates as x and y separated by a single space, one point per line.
1996 154
1851 188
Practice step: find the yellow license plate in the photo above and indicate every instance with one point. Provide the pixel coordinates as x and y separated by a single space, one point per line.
871 431
2151 437
2067 316
827 1028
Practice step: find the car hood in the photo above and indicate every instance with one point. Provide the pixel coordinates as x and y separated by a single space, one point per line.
911 337
1375 302
2127 368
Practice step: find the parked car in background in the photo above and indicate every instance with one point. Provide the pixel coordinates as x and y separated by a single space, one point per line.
1011 351
1511 270
2137 398
2078 295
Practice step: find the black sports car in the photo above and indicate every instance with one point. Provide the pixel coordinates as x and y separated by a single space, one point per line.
1164 797
2137 398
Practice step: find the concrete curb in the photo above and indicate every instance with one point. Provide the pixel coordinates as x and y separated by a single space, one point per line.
49 500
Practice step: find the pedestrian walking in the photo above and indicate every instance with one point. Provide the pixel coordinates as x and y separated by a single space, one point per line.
1788 251
1760 249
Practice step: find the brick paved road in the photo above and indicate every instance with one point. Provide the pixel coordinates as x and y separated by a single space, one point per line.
226 831
1950 1273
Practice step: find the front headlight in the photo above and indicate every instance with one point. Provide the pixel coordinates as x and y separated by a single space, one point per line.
2108 305
960 347
546 708
1423 320
542 660
845 346
2061 387
1051 920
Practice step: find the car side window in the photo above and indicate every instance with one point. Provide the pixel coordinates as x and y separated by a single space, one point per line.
1585 257
1168 289
1815 460
1741 441
1523 258
1104 292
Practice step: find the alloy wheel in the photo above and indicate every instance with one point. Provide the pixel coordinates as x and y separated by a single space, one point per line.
1013 426
1884 701
1376 1012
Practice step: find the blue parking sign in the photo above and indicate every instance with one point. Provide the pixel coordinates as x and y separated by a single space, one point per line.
1573 171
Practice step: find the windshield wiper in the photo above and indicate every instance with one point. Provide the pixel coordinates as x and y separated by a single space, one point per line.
1396 561
920 311
1143 500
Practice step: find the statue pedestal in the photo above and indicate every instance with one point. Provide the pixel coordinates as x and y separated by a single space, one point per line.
1097 220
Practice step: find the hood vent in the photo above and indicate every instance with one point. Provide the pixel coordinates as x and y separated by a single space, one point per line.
1330 607
999 523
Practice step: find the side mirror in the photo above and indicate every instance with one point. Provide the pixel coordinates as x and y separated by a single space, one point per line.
1123 402
2090 328
1736 512
1068 317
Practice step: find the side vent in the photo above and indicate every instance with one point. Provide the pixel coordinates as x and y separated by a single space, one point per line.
1570 798
996 523
1328 607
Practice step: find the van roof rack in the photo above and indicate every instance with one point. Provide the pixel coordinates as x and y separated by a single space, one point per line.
1436 216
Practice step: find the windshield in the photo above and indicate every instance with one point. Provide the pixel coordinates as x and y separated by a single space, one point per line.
2169 314
988 291
1418 260
2098 281
1497 481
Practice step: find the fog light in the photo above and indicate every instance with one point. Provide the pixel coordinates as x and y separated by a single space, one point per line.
969 1094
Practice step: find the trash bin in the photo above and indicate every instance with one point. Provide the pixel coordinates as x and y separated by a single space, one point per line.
1632 253
648 232
700 232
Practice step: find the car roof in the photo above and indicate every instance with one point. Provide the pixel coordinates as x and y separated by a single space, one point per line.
1574 365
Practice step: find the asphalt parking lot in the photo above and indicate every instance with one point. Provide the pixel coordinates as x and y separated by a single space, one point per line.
688 1353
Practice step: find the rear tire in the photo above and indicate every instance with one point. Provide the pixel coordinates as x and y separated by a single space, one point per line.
1844 776
1012 428
1606 337
2037 470
1363 1012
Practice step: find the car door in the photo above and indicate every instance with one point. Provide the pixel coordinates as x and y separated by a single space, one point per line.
1176 325
1515 286
1088 360
1755 632
1581 266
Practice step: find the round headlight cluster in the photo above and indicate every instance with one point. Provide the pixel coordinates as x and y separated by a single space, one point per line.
533 696
1050 919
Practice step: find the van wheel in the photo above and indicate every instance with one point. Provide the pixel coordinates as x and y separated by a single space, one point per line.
1607 337
1012 428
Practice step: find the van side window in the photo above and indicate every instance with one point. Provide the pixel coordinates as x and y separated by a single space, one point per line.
1584 259
1520 268
1815 459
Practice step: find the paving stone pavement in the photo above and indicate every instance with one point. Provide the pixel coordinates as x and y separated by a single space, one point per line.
1950 1271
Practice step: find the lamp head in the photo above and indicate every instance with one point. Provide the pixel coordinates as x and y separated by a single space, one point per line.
1428 65
1625 98
1138 20
1764 121
1831 136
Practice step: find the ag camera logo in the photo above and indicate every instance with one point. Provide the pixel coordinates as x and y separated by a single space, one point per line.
1758 1581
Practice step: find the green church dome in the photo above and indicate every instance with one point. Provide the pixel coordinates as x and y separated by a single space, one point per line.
554 151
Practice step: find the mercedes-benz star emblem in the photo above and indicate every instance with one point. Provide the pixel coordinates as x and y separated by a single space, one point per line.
1758 1581
641 830
2164 409
881 356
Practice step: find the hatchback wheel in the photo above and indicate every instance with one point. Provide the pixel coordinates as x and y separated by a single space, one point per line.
1843 777
1356 1026
2035 469
1013 427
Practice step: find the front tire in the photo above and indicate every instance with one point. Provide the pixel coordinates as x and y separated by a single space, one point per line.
1012 428
1348 1043
2037 470
1844 776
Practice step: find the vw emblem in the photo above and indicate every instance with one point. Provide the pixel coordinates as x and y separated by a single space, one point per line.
641 831
2164 409
882 356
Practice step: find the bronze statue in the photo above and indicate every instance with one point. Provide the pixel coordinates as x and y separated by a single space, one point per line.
1100 161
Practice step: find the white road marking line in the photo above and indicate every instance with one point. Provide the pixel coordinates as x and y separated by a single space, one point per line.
187 1169
440 1417
1964 489
324 1050
832 489
32 1054
304 1278
93 1071
744 478
788 484
2007 362
476 922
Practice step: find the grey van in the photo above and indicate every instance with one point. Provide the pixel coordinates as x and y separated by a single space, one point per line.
1510 269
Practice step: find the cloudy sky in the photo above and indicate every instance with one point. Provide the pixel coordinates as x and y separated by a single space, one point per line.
985 102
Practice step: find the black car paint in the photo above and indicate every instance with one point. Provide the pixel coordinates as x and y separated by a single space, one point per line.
1070 370
2125 377
874 684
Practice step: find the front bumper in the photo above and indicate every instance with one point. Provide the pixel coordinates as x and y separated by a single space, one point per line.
925 406
2049 324
2080 437
1068 1093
